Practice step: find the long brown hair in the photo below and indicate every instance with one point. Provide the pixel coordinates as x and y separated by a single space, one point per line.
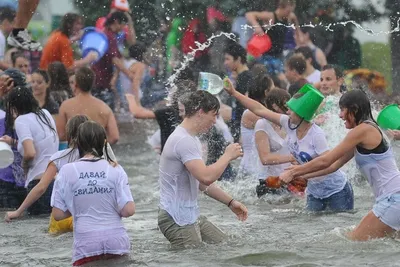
92 139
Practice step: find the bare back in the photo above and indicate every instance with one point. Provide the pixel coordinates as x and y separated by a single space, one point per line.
90 106
95 109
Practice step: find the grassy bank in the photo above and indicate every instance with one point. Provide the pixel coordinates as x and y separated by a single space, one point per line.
377 56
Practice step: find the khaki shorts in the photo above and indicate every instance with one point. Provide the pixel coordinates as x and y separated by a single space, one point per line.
188 235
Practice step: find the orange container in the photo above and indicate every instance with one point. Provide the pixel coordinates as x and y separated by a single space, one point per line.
273 182
258 45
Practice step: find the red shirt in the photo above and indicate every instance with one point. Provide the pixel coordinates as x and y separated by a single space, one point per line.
104 68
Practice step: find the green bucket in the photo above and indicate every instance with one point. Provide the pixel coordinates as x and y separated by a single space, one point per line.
307 103
389 117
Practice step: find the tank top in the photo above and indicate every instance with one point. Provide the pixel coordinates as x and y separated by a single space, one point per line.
250 154
379 166
278 35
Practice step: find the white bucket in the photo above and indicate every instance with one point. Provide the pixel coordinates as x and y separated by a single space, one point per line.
6 155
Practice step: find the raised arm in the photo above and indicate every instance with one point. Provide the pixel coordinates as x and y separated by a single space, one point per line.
253 17
251 104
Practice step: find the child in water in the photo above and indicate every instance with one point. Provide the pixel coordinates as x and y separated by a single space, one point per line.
95 191
58 160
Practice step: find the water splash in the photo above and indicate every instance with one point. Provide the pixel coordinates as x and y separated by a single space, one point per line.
329 27
190 57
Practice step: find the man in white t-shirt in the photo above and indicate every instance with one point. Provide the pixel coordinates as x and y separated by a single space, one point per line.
7 16
183 172
312 75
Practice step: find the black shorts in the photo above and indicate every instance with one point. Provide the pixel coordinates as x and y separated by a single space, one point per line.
11 196
42 205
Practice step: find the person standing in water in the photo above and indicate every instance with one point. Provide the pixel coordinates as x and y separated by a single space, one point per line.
37 140
183 172
375 159
95 191
59 159
83 103
306 142
236 60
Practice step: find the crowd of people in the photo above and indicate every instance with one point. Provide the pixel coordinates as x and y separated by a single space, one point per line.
58 118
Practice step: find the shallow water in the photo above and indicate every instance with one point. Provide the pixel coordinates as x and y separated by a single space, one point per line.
277 233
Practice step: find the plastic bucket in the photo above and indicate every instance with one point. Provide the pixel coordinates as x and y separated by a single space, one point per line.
6 155
306 102
93 40
258 45
389 117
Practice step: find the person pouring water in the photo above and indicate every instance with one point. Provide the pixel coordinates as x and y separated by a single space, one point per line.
306 141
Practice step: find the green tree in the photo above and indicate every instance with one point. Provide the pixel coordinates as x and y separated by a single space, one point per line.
393 6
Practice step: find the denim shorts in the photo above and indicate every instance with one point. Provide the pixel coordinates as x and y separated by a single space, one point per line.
387 209
340 201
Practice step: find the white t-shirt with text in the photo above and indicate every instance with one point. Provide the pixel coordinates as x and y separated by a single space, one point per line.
94 192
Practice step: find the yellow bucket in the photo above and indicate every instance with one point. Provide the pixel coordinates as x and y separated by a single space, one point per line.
60 227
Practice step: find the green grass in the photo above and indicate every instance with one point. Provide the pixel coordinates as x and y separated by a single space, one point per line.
377 56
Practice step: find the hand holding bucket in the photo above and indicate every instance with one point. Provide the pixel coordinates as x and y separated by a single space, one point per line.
258 45
93 41
6 153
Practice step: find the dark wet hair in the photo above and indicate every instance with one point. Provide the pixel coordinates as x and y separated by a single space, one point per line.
262 85
71 129
137 51
285 3
59 78
92 139
84 78
45 76
67 23
258 70
183 87
278 97
338 70
18 77
6 13
305 51
15 55
357 103
297 63
200 100
236 50
20 99
118 16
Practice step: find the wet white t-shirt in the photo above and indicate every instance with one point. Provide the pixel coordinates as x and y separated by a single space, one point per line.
178 188
94 192
62 157
309 147
30 127
276 144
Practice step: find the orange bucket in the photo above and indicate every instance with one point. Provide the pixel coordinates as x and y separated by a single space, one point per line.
258 45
